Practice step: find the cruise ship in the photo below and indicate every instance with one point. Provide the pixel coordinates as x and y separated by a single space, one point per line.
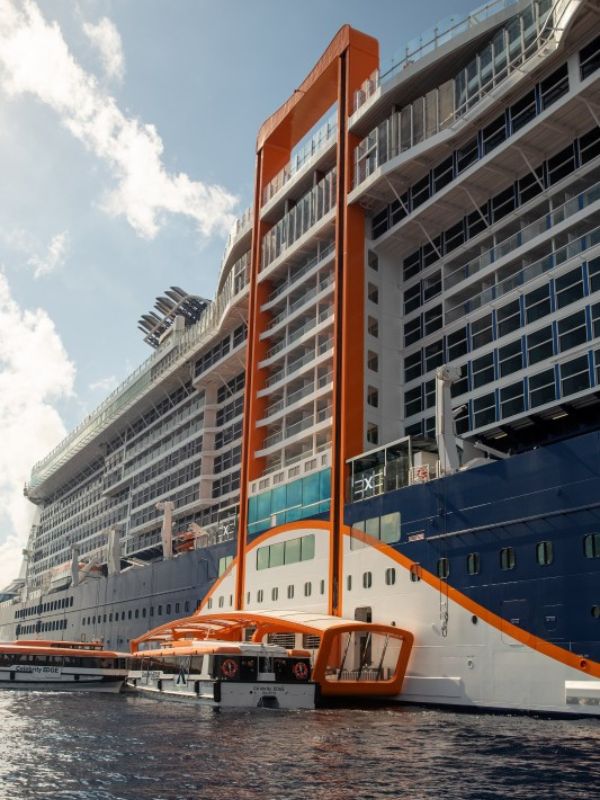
390 411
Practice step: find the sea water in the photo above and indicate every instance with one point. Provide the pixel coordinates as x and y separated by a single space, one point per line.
119 747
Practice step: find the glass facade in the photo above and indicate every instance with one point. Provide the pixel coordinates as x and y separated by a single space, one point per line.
305 497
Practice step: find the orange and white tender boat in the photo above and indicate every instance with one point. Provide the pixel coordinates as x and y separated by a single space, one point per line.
46 665
225 674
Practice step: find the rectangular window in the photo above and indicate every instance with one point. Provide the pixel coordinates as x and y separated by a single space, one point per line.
373 327
412 265
554 86
372 361
412 298
589 145
373 293
432 251
507 558
589 58
537 303
493 134
594 273
483 370
481 331
443 174
413 403
571 331
433 319
457 344
574 376
380 223
434 355
477 221
413 366
484 410
454 237
503 203
390 527
412 331
510 358
569 287
522 112
420 192
561 165
467 155
530 185
508 318
473 563
542 388
432 286
540 345
512 400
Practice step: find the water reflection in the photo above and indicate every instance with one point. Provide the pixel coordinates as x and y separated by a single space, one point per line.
82 747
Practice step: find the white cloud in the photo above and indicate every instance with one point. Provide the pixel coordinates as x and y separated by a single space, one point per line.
106 39
35 60
34 371
54 257
22 242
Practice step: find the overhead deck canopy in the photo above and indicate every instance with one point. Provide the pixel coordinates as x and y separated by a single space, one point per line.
354 658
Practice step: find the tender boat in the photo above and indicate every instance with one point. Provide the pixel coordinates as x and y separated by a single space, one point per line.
225 674
61 666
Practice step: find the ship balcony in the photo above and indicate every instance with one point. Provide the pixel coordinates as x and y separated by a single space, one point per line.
295 432
299 305
306 331
296 178
294 397
310 360
238 242
548 132
297 276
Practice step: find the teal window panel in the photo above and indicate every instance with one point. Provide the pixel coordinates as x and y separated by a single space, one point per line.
264 505
308 547
294 494
262 558
293 514
324 506
311 489
372 527
292 551
276 554
252 509
325 482
390 527
280 518
278 499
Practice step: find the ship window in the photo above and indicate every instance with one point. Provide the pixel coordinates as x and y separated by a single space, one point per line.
413 402
373 327
390 527
571 331
457 344
539 345
373 293
373 261
372 361
511 358
122 617
574 376
390 576
349 583
483 370
443 567
307 589
412 298
507 558
168 608
177 607
512 399
367 580
372 396
554 86
151 611
274 593
411 265
433 319
221 601
160 608
589 58
481 331
260 596
591 545
322 587
412 331
523 111
542 388
372 433
187 605
544 553
290 591
596 612
509 318
589 145
434 355
484 410
415 572
413 367
262 558
137 613
473 563
569 287
144 612
110 616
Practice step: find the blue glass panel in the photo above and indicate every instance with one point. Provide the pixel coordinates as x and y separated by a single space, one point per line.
310 489
264 505
293 514
325 480
278 499
252 510
294 494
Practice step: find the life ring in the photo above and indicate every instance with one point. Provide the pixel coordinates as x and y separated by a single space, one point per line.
300 670
229 668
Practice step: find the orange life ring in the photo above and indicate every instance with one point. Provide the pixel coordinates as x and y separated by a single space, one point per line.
300 671
229 668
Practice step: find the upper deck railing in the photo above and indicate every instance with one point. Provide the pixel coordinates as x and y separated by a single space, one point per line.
138 383
429 41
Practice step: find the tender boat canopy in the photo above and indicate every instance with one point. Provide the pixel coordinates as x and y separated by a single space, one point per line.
352 658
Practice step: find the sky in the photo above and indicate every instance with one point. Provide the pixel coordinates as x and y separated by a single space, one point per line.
127 134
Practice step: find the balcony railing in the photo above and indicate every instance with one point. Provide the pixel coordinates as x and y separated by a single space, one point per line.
301 157
312 207
322 253
449 102
565 253
526 234
428 42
